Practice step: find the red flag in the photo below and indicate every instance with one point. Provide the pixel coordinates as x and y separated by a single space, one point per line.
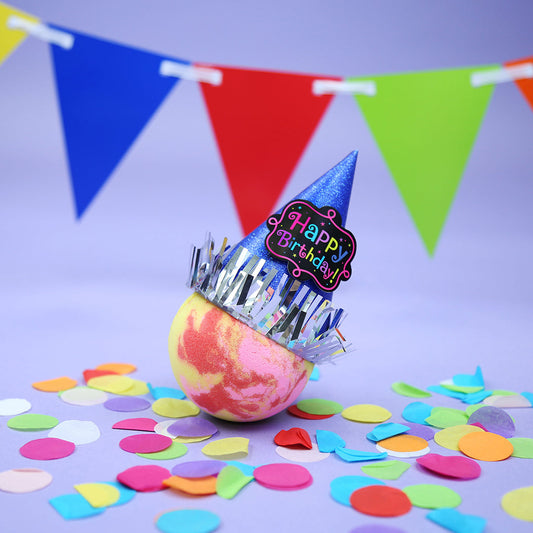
525 85
262 122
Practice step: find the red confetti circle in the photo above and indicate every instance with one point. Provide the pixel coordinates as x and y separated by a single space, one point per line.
380 500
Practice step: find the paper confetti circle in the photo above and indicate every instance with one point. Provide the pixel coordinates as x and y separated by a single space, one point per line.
14 406
519 503
486 446
230 481
145 443
136 424
127 404
76 431
98 494
449 437
47 449
55 385
408 390
417 412
84 396
144 478
74 507
366 413
201 486
445 417
294 411
380 500
23 480
429 496
452 466
192 427
118 368
387 469
341 488
227 447
293 437
113 383
194 469
32 422
126 494
453 520
493 419
188 521
318 406
283 476
522 447
174 408
175 450
403 446
302 455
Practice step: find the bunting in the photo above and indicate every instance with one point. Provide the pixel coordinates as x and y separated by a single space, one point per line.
107 94
425 125
11 39
525 85
263 122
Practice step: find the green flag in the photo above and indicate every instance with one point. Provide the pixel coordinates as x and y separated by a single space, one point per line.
425 125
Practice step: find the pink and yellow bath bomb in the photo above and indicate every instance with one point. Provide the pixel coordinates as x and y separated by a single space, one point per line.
228 369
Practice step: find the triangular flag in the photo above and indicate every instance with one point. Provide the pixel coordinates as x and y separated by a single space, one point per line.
262 122
10 39
525 85
107 94
425 125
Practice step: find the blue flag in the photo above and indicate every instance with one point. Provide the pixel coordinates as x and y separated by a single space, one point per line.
107 93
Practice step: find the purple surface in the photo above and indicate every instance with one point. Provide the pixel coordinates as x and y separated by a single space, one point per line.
376 528
127 404
77 294
194 469
192 427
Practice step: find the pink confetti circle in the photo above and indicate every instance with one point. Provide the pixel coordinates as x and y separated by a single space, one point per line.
452 466
145 443
145 478
47 449
283 476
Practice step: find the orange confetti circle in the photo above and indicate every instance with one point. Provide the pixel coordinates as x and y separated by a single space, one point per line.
485 446
55 385
404 443
119 368
198 486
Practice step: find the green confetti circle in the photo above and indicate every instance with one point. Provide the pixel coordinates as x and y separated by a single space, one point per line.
32 422
175 450
522 447
318 406
430 496
408 390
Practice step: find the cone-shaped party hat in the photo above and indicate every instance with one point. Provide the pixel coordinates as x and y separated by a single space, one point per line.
278 280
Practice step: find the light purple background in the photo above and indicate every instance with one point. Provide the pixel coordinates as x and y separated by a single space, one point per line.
76 294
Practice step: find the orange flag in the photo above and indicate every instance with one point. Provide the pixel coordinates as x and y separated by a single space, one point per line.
525 85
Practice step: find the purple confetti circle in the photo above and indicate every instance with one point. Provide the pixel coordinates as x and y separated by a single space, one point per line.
192 427
127 404
419 430
494 419
196 469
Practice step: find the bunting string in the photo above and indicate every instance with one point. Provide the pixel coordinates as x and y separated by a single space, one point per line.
265 119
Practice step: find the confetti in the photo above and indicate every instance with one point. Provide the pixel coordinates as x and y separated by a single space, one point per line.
93 373
315 374
14 406
430 496
201 486
508 401
318 406
23 480
32 422
165 392
445 417
144 478
294 411
408 390
175 450
404 446
486 446
98 494
174 408
230 481
384 431
125 494
366 413
468 380
299 455
328 441
55 385
84 396
341 488
118 368
387 469
519 503
227 447
451 466
494 419
138 388
193 469
283 476
465 389
244 468
74 506
354 456
136 424
113 383
449 437
188 521
192 427
145 443
522 447
76 431
417 412
293 437
457 522
420 430
127 404
380 500
47 449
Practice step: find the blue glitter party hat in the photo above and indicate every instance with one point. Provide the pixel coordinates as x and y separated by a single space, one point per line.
253 285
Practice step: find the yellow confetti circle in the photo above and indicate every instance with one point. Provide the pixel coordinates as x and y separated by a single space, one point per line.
112 383
519 503
98 494
449 437
228 446
174 408
367 413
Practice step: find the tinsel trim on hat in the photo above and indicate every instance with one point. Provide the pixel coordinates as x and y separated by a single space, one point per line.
288 312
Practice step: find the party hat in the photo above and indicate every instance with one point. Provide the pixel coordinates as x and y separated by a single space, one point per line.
279 279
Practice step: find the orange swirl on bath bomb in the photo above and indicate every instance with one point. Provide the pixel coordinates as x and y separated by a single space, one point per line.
228 369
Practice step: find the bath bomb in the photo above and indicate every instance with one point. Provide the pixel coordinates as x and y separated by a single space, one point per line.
230 370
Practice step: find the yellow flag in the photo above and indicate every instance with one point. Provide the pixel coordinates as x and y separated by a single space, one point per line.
11 39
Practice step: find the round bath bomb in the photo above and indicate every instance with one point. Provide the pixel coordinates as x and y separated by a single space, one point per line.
230 370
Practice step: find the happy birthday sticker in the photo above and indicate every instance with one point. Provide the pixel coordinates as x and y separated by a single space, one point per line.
313 243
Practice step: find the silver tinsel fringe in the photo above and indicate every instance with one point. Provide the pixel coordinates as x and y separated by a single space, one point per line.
291 313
